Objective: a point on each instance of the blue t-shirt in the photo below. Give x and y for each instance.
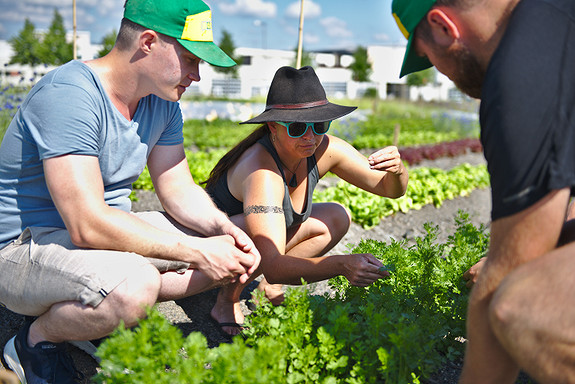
(69, 113)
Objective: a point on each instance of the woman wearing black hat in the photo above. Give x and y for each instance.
(266, 182)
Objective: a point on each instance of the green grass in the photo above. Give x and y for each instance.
(418, 124)
(10, 99)
(203, 135)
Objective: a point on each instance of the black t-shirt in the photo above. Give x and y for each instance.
(527, 110)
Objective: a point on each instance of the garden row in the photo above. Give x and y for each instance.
(426, 185)
(415, 155)
(398, 330)
(421, 132)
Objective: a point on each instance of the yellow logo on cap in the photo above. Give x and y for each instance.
(198, 27)
(401, 27)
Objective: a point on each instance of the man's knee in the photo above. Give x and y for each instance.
(501, 313)
(507, 310)
(139, 291)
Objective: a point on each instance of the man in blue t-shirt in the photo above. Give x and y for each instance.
(71, 252)
(518, 57)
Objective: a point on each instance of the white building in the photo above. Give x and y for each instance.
(257, 68)
(85, 50)
(259, 65)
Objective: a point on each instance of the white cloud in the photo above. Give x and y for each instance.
(382, 37)
(309, 38)
(38, 15)
(335, 27)
(311, 10)
(107, 7)
(49, 3)
(11, 15)
(87, 18)
(257, 8)
(291, 29)
(39, 12)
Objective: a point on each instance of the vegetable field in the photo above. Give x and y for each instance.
(421, 133)
(399, 330)
(404, 329)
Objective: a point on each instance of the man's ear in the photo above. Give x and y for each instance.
(147, 39)
(443, 27)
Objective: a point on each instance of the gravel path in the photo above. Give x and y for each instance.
(192, 314)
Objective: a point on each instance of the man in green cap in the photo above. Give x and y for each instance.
(518, 57)
(72, 255)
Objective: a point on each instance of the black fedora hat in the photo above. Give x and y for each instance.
(297, 95)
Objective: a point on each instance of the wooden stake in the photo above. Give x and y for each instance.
(74, 49)
(396, 134)
(300, 40)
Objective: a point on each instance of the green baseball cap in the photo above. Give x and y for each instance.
(189, 21)
(407, 15)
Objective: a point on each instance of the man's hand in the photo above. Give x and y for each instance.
(245, 244)
(222, 261)
(362, 269)
(472, 274)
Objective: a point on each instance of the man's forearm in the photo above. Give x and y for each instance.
(196, 210)
(113, 229)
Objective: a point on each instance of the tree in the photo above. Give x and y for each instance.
(227, 45)
(54, 49)
(108, 42)
(421, 78)
(361, 67)
(25, 46)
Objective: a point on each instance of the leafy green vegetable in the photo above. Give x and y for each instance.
(398, 330)
(426, 186)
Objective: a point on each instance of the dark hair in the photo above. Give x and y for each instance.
(234, 154)
(460, 4)
(126, 34)
(129, 32)
(423, 30)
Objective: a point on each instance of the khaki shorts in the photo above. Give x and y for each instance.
(42, 267)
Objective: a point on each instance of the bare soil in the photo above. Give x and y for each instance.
(192, 314)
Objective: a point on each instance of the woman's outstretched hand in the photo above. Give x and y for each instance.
(362, 269)
(387, 159)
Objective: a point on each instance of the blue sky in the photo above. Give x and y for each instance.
(273, 24)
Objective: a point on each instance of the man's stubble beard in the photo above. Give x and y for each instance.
(469, 74)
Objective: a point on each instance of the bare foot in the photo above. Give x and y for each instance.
(227, 311)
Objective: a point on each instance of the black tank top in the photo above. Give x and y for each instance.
(225, 201)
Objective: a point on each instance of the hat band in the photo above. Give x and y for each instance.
(311, 104)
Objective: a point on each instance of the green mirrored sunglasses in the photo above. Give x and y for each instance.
(297, 129)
